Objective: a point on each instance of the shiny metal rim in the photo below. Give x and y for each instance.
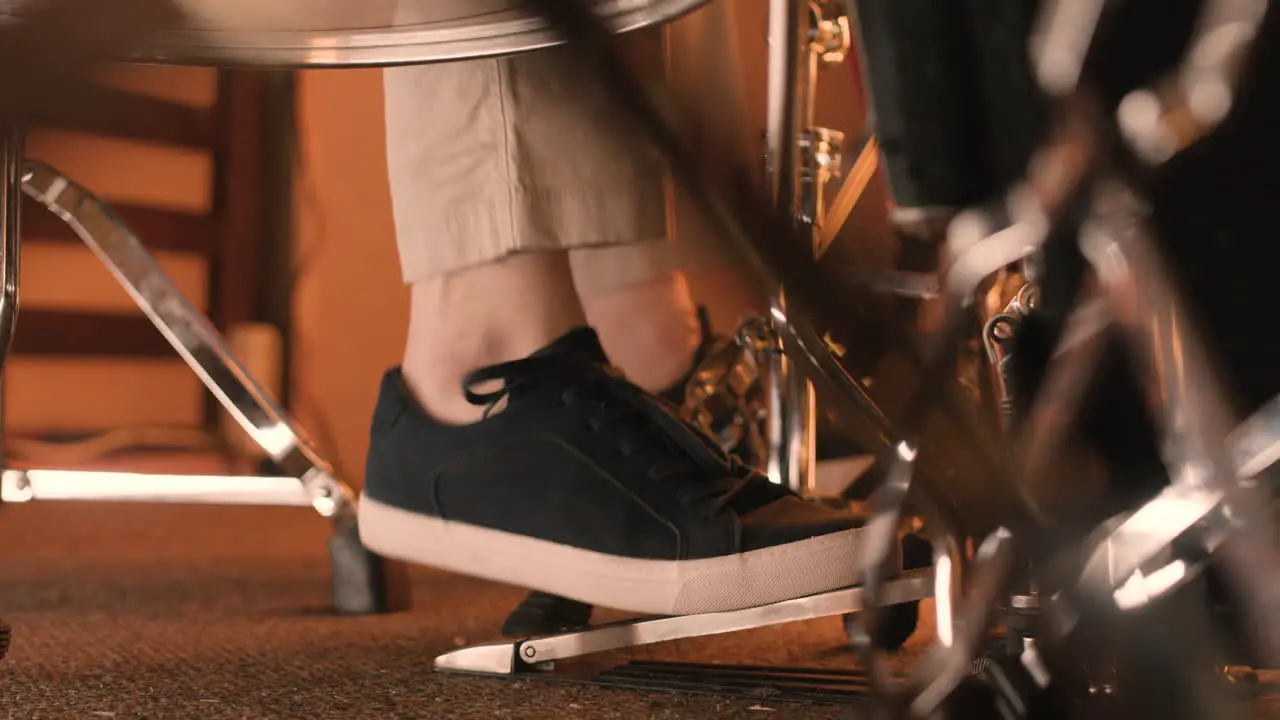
(507, 33)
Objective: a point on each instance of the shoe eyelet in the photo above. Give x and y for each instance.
(593, 425)
(566, 398)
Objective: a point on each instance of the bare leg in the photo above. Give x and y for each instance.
(649, 329)
(481, 316)
(564, 491)
(728, 292)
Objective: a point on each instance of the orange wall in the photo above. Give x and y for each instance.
(350, 308)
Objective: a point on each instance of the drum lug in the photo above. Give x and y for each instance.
(829, 37)
(998, 338)
(725, 395)
(821, 156)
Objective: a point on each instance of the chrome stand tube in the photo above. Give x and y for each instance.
(792, 417)
(194, 338)
(362, 583)
(10, 210)
(790, 110)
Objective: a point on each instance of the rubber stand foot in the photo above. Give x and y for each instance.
(365, 583)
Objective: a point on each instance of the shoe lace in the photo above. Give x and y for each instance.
(649, 426)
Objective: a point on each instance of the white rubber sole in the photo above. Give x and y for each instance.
(656, 587)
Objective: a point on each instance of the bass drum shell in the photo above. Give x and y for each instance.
(353, 33)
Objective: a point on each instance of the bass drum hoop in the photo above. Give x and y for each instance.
(494, 34)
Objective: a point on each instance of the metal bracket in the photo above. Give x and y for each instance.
(541, 653)
(855, 183)
(26, 485)
(829, 37)
(998, 336)
(195, 339)
(820, 150)
(725, 397)
(361, 582)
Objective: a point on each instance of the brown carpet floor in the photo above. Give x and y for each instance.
(140, 611)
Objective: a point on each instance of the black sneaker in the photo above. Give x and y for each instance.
(589, 488)
(544, 614)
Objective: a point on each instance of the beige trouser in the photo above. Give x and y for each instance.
(493, 157)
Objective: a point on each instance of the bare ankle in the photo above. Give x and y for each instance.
(650, 330)
(482, 316)
(442, 400)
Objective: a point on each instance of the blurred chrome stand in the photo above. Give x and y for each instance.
(360, 579)
(800, 158)
(10, 197)
(792, 417)
(11, 143)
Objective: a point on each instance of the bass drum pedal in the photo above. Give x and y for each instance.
(725, 398)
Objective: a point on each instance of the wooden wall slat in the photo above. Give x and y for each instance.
(138, 117)
(238, 198)
(81, 395)
(70, 277)
(158, 229)
(228, 232)
(62, 333)
(125, 171)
